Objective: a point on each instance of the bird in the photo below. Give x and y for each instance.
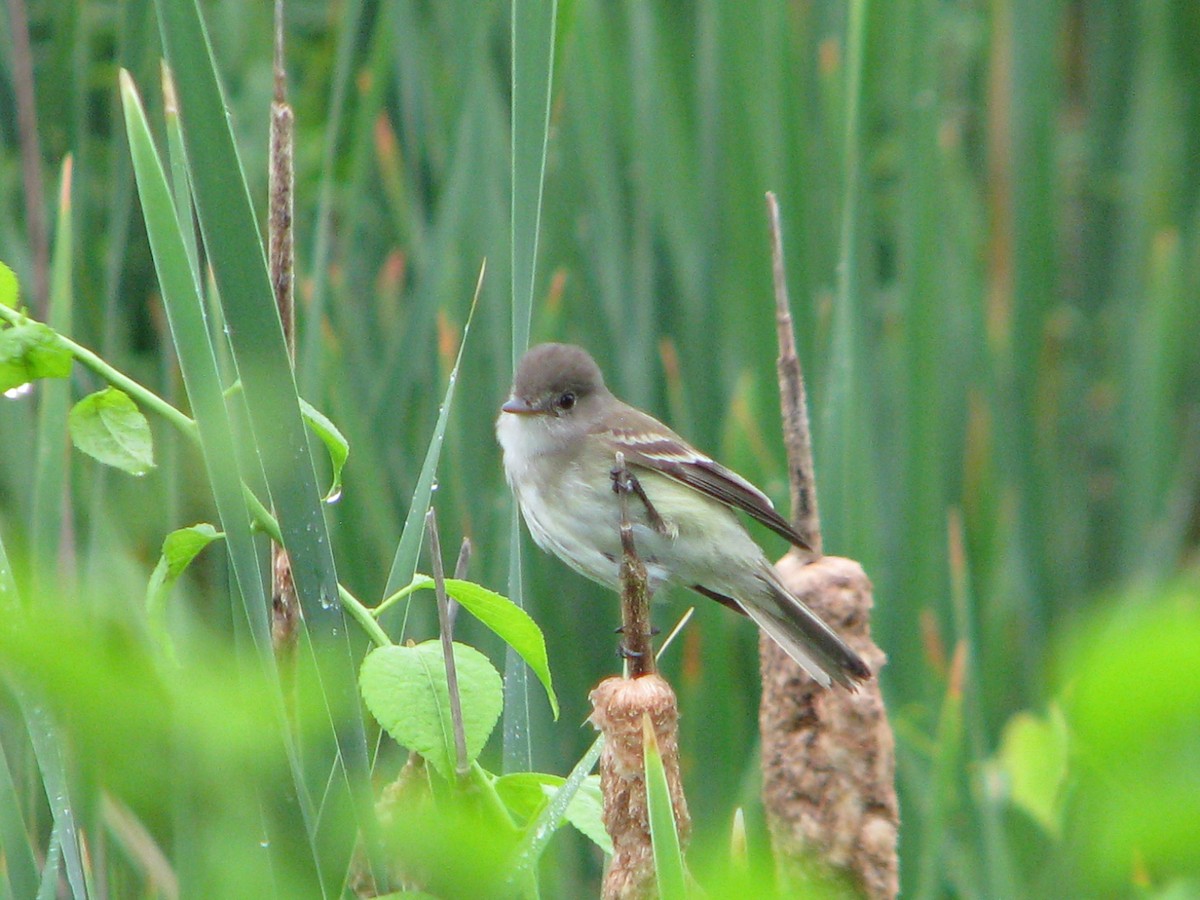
(560, 431)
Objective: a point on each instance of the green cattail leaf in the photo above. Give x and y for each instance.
(668, 856)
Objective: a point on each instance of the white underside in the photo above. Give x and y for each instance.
(576, 516)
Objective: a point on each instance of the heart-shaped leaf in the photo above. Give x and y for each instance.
(109, 427)
(405, 690)
(511, 623)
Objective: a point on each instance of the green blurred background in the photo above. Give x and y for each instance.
(994, 264)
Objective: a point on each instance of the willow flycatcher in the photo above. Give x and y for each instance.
(561, 429)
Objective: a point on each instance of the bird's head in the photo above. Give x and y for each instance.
(556, 380)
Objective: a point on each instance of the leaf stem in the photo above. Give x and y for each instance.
(447, 639)
(485, 783)
(115, 377)
(419, 581)
(362, 615)
(187, 426)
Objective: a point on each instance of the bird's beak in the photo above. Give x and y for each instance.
(519, 407)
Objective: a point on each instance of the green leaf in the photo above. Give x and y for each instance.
(404, 563)
(586, 813)
(405, 690)
(522, 792)
(334, 441)
(1033, 756)
(179, 549)
(108, 426)
(507, 620)
(533, 23)
(527, 793)
(9, 288)
(1131, 699)
(29, 351)
(539, 831)
(201, 376)
(50, 471)
(668, 857)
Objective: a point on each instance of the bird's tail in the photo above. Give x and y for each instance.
(803, 635)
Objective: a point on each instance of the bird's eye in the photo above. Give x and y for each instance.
(566, 400)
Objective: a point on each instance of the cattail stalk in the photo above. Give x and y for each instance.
(828, 755)
(285, 606)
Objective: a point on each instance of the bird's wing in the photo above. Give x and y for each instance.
(650, 444)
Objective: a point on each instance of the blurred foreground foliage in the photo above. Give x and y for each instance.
(172, 775)
(1132, 793)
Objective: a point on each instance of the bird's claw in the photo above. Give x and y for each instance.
(625, 482)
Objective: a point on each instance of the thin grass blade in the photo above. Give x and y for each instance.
(235, 250)
(309, 368)
(48, 889)
(668, 855)
(404, 564)
(538, 832)
(842, 465)
(20, 865)
(50, 481)
(198, 363)
(53, 461)
(47, 748)
(532, 80)
(180, 189)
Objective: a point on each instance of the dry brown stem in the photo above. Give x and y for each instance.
(793, 399)
(285, 606)
(404, 801)
(618, 705)
(281, 240)
(637, 646)
(31, 155)
(461, 765)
